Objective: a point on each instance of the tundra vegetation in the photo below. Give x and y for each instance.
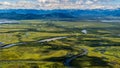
(102, 42)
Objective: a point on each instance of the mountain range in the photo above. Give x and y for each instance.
(19, 14)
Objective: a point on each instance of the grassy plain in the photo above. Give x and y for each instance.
(102, 42)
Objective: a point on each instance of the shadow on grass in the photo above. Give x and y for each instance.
(90, 62)
(55, 59)
(82, 62)
(100, 42)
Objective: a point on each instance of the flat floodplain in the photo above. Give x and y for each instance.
(102, 42)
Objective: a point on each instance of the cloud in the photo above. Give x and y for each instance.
(58, 4)
(89, 2)
(5, 3)
(17, 5)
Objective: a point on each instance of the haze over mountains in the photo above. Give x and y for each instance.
(94, 14)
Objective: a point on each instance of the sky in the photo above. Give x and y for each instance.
(59, 4)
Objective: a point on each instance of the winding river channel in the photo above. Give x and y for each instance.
(67, 61)
(40, 41)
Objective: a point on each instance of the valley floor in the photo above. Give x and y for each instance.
(59, 44)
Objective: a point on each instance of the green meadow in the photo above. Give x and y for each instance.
(102, 42)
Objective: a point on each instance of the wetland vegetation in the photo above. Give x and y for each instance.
(102, 42)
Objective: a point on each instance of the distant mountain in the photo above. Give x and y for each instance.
(17, 16)
(50, 14)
